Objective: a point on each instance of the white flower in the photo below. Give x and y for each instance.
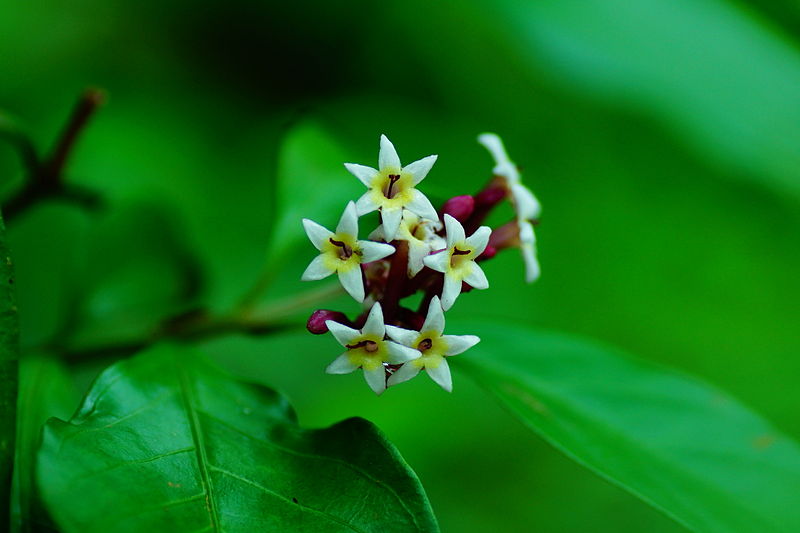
(421, 236)
(525, 203)
(342, 252)
(527, 243)
(391, 188)
(434, 348)
(367, 349)
(457, 261)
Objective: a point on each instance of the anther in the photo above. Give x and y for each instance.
(346, 250)
(424, 345)
(392, 180)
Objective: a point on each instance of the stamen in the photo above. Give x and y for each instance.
(392, 180)
(369, 346)
(424, 345)
(456, 251)
(346, 252)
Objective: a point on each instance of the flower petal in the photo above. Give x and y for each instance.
(406, 337)
(417, 251)
(452, 288)
(532, 269)
(341, 365)
(343, 334)
(404, 373)
(387, 156)
(441, 375)
(316, 270)
(419, 169)
(476, 278)
(317, 234)
(525, 203)
(401, 354)
(372, 251)
(457, 344)
(348, 224)
(479, 239)
(364, 173)
(454, 230)
(421, 206)
(494, 144)
(365, 204)
(437, 261)
(390, 218)
(352, 281)
(435, 319)
(374, 324)
(376, 379)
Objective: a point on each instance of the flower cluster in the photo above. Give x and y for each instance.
(414, 249)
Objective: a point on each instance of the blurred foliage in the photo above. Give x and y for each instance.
(660, 136)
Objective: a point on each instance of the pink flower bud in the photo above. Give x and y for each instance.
(316, 322)
(459, 207)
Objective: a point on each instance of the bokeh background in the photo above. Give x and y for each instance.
(662, 137)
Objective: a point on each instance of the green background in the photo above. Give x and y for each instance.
(663, 139)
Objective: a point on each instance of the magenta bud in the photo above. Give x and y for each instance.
(459, 207)
(491, 195)
(316, 322)
(488, 253)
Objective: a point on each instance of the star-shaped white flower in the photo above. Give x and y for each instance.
(434, 348)
(368, 349)
(527, 243)
(525, 203)
(391, 188)
(421, 236)
(457, 261)
(342, 253)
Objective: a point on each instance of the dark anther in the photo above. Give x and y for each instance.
(426, 344)
(392, 180)
(346, 250)
(456, 251)
(370, 346)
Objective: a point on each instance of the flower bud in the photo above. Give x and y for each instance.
(316, 322)
(459, 207)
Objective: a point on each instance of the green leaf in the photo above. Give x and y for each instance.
(726, 82)
(45, 390)
(312, 183)
(679, 444)
(9, 353)
(165, 442)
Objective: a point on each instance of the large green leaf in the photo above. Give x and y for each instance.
(165, 442)
(679, 444)
(9, 351)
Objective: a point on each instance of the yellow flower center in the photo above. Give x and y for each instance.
(341, 252)
(368, 352)
(461, 260)
(392, 187)
(433, 347)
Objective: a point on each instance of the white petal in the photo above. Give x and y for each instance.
(377, 234)
(364, 173)
(509, 171)
(372, 251)
(421, 206)
(525, 203)
(476, 278)
(376, 379)
(452, 288)
(353, 283)
(374, 324)
(316, 270)
(419, 169)
(390, 218)
(404, 373)
(316, 234)
(387, 157)
(526, 234)
(365, 204)
(532, 269)
(401, 354)
(454, 230)
(437, 262)
(435, 319)
(348, 224)
(341, 365)
(494, 144)
(441, 375)
(417, 251)
(457, 344)
(480, 239)
(406, 337)
(342, 333)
